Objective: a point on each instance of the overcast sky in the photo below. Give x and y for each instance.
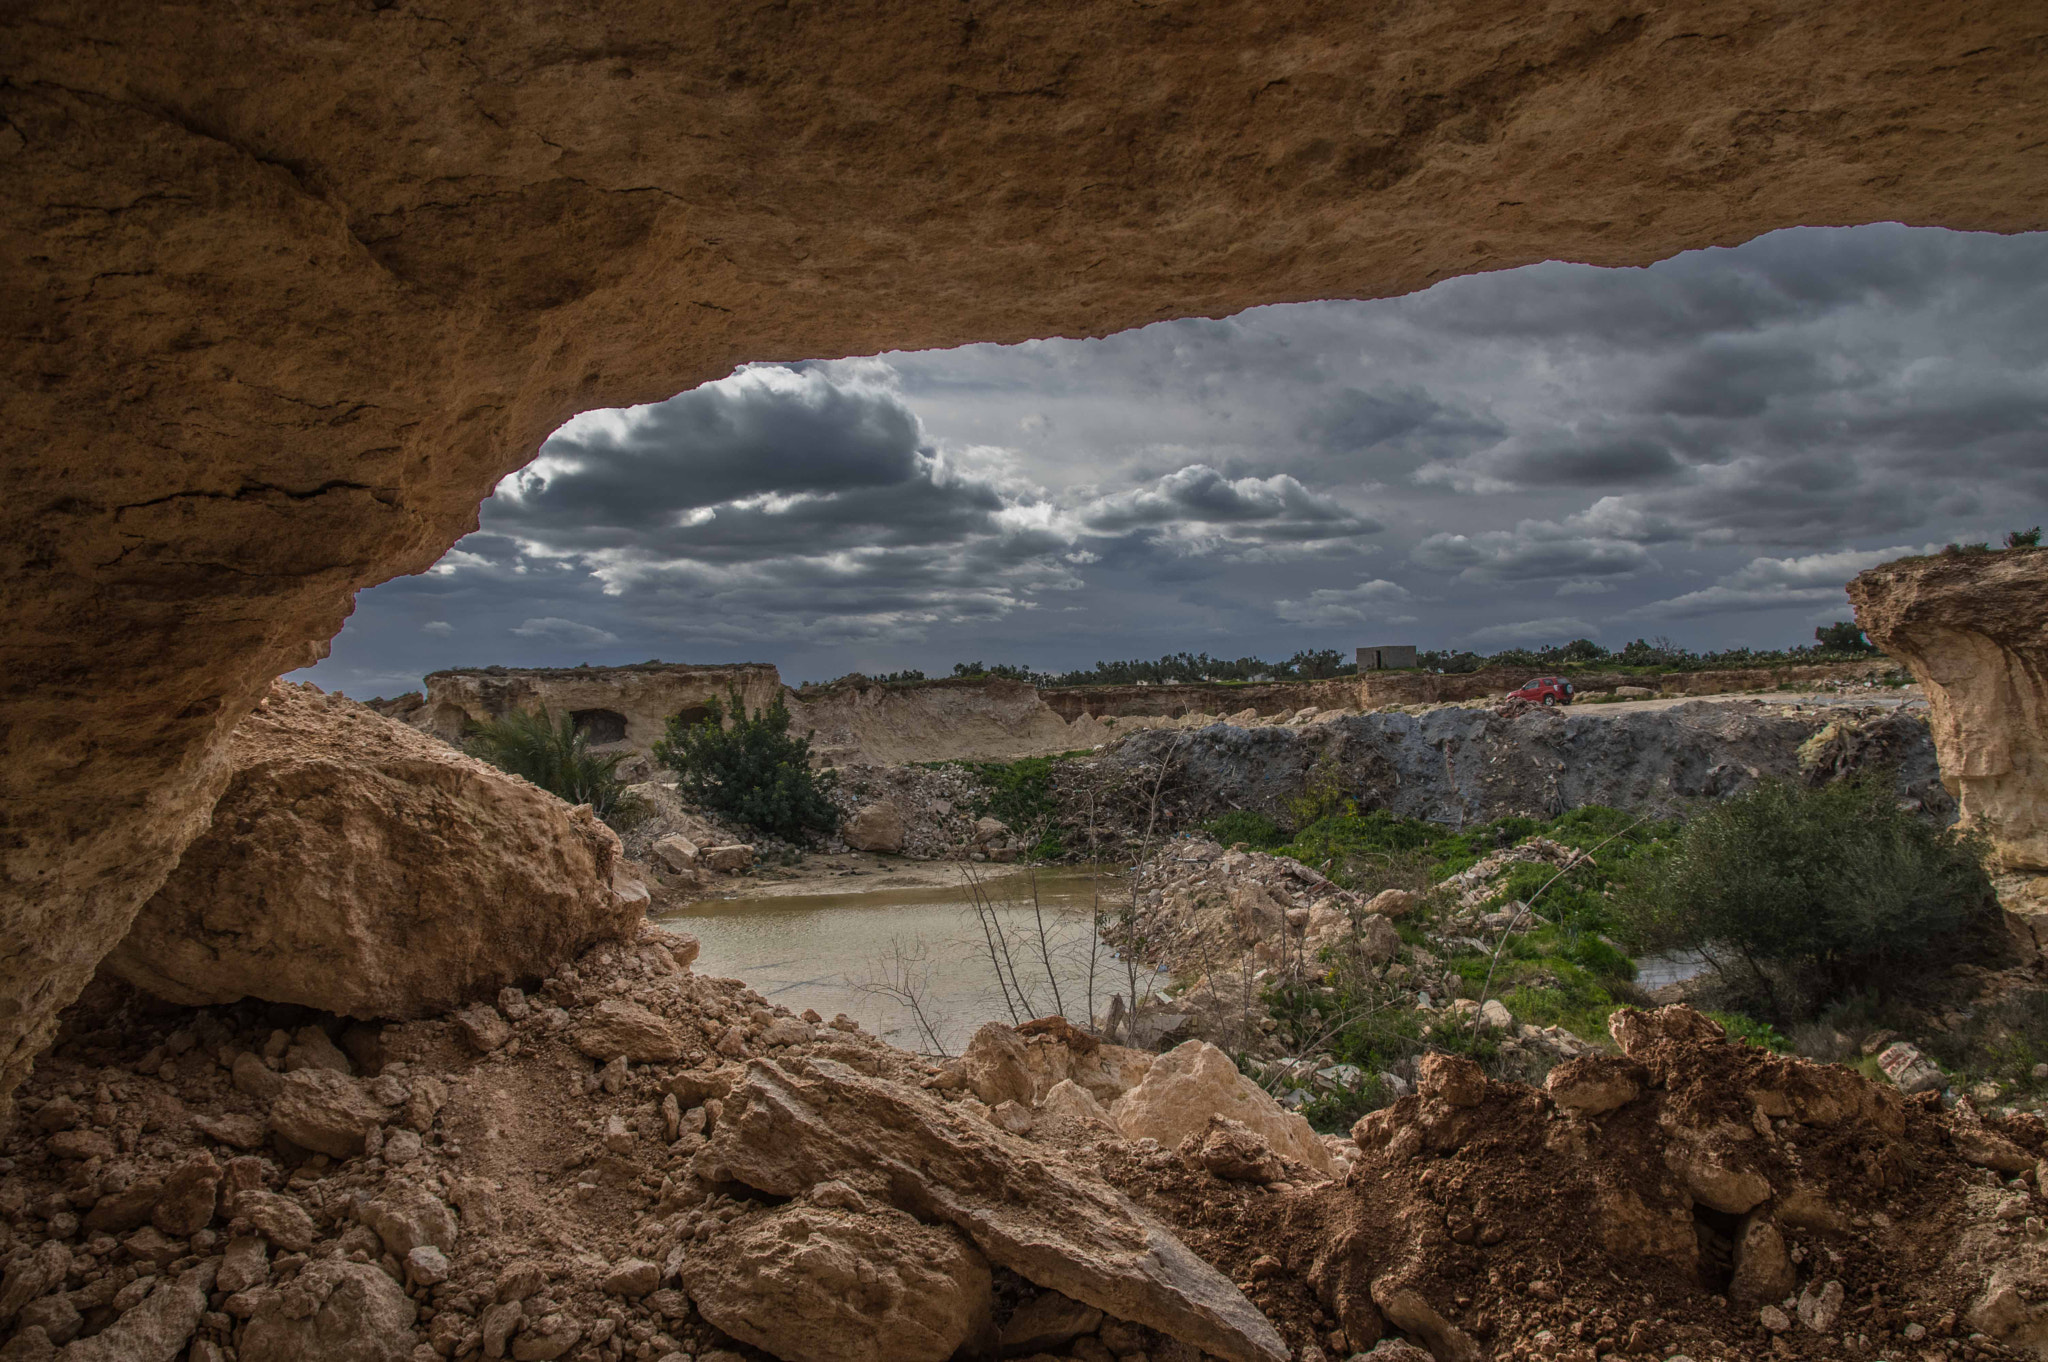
(1704, 449)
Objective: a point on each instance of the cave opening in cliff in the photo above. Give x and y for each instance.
(599, 726)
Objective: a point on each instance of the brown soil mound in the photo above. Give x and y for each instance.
(1738, 1204)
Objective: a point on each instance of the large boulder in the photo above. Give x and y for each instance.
(842, 1283)
(875, 827)
(1194, 1081)
(359, 867)
(333, 1311)
(790, 1133)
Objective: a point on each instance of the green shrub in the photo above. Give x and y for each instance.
(1322, 794)
(2023, 539)
(1806, 895)
(553, 755)
(1749, 1031)
(753, 771)
(1241, 825)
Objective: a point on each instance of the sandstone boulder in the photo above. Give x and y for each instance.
(615, 1027)
(731, 858)
(1395, 903)
(875, 827)
(814, 1283)
(996, 1066)
(678, 853)
(325, 1112)
(785, 1133)
(408, 1218)
(333, 1311)
(362, 868)
(1195, 1081)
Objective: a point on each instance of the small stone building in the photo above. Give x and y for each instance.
(1387, 657)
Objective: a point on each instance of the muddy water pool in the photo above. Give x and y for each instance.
(844, 952)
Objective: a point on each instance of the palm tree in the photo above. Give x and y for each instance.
(555, 756)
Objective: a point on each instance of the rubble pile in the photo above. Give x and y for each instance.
(931, 807)
(1230, 924)
(629, 1161)
(1689, 1197)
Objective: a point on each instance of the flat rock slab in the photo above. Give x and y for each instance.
(785, 1131)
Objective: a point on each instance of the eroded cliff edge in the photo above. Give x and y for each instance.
(1974, 630)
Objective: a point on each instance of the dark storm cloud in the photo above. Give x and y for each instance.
(1532, 550)
(1715, 442)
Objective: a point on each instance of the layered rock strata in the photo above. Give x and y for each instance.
(275, 337)
(362, 868)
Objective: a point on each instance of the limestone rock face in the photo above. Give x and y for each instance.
(1974, 631)
(1195, 1081)
(824, 1284)
(359, 867)
(343, 355)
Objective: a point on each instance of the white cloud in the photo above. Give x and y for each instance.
(437, 627)
(565, 631)
(1370, 602)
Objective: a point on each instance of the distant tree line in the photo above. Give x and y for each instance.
(1838, 642)
(1841, 641)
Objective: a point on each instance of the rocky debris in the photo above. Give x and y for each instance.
(852, 1282)
(934, 806)
(1195, 1081)
(784, 1132)
(332, 1312)
(524, 1209)
(155, 1326)
(1485, 1219)
(337, 824)
(875, 827)
(1912, 1071)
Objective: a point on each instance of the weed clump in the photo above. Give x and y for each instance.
(752, 771)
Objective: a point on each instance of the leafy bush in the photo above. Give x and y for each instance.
(555, 756)
(1804, 895)
(1322, 794)
(2023, 539)
(1255, 830)
(1843, 636)
(754, 771)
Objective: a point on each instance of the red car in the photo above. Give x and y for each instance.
(1544, 690)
